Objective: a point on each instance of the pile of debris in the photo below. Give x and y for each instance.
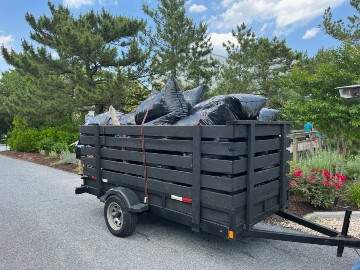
(172, 106)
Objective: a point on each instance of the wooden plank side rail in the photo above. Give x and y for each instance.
(234, 174)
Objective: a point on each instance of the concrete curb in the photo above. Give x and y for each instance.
(335, 215)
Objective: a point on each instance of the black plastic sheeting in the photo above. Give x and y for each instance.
(250, 105)
(164, 108)
(267, 114)
(154, 104)
(126, 119)
(100, 119)
(175, 103)
(194, 96)
(215, 111)
(172, 106)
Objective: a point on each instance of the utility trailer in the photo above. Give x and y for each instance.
(217, 179)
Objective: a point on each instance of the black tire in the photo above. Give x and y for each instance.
(129, 220)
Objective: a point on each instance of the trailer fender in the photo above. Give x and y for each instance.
(131, 199)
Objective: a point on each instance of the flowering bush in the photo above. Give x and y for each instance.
(319, 186)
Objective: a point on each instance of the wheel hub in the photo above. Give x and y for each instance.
(115, 216)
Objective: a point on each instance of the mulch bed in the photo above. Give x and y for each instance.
(41, 159)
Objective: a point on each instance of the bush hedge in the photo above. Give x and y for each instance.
(50, 139)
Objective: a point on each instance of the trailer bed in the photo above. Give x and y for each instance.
(233, 175)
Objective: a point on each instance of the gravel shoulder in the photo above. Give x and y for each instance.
(43, 225)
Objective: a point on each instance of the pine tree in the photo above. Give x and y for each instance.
(346, 33)
(180, 47)
(90, 54)
(254, 64)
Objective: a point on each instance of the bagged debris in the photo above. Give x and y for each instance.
(100, 119)
(267, 114)
(216, 111)
(250, 105)
(175, 105)
(154, 104)
(127, 119)
(195, 95)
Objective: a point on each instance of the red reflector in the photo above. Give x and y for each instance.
(186, 200)
(93, 178)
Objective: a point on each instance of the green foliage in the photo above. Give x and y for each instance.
(254, 64)
(319, 186)
(77, 62)
(178, 45)
(349, 33)
(67, 157)
(323, 159)
(25, 139)
(319, 177)
(352, 194)
(315, 98)
(352, 168)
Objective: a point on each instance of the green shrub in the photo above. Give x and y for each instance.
(50, 139)
(318, 186)
(323, 159)
(352, 194)
(352, 168)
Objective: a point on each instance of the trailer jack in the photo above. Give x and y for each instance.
(331, 238)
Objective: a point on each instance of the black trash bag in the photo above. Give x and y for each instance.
(250, 106)
(267, 114)
(195, 95)
(175, 103)
(216, 111)
(100, 119)
(154, 104)
(127, 119)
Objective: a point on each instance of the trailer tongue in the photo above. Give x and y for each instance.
(217, 179)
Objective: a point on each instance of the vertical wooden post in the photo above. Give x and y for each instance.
(250, 174)
(98, 174)
(295, 148)
(196, 177)
(283, 176)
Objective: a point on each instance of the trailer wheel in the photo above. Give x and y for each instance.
(119, 220)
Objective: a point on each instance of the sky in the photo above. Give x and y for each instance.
(297, 21)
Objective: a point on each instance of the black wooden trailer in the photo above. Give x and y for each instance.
(217, 179)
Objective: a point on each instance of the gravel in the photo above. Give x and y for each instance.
(43, 225)
(333, 223)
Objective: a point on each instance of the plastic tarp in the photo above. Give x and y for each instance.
(100, 119)
(154, 104)
(175, 105)
(250, 105)
(195, 95)
(267, 114)
(216, 111)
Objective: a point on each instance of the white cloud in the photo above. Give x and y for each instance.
(195, 8)
(284, 13)
(6, 41)
(311, 33)
(218, 39)
(79, 3)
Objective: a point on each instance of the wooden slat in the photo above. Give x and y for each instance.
(208, 198)
(211, 132)
(208, 147)
(220, 183)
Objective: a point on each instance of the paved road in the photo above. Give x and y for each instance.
(43, 225)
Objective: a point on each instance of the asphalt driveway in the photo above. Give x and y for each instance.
(43, 225)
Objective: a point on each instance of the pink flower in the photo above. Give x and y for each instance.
(298, 172)
(326, 174)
